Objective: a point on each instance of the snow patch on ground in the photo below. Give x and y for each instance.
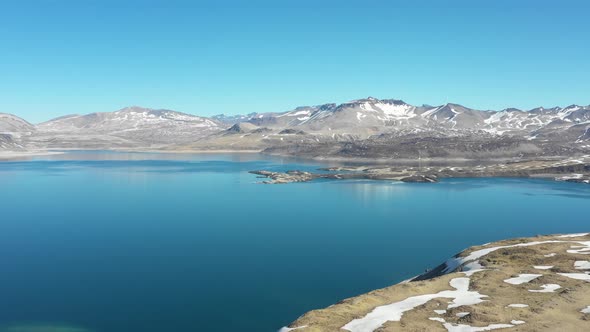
(367, 107)
(482, 252)
(522, 278)
(396, 111)
(437, 319)
(574, 235)
(577, 276)
(394, 311)
(543, 267)
(548, 288)
(297, 113)
(461, 296)
(582, 265)
(467, 328)
(582, 250)
(472, 260)
(473, 267)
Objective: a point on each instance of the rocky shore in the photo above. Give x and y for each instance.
(570, 169)
(528, 284)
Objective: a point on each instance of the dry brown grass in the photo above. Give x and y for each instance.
(556, 311)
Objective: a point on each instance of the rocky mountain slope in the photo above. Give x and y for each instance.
(13, 124)
(532, 284)
(392, 129)
(8, 143)
(129, 127)
(367, 128)
(371, 115)
(13, 132)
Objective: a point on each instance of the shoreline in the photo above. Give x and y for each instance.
(438, 160)
(571, 170)
(10, 155)
(339, 159)
(538, 283)
(218, 151)
(7, 155)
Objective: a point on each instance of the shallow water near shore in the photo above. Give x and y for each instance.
(103, 241)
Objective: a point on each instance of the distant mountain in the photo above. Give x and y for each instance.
(370, 116)
(13, 124)
(390, 128)
(8, 143)
(363, 128)
(136, 124)
(233, 119)
(13, 132)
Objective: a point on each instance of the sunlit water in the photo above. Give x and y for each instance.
(119, 242)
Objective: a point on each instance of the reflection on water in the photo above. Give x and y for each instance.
(160, 162)
(130, 156)
(371, 190)
(181, 240)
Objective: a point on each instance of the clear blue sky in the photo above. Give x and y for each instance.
(63, 57)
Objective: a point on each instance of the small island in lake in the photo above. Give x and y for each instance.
(568, 169)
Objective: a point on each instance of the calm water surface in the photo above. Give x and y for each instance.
(119, 242)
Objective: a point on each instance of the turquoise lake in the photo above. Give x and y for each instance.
(120, 242)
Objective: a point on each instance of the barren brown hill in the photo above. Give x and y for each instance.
(530, 284)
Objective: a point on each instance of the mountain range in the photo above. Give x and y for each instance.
(363, 128)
